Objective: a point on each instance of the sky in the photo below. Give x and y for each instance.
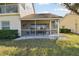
(53, 8)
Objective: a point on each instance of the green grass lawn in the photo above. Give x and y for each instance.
(41, 47)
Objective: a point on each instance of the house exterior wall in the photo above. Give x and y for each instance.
(14, 22)
(15, 18)
(27, 10)
(71, 21)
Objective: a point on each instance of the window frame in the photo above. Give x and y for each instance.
(5, 25)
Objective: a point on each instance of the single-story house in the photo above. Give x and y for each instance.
(70, 21)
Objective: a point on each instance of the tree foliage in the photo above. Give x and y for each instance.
(73, 7)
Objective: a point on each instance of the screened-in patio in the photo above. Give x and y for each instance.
(39, 27)
(42, 25)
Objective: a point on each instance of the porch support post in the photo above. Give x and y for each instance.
(5, 8)
(35, 27)
(58, 29)
(50, 27)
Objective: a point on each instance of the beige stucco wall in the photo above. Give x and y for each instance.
(71, 21)
(14, 22)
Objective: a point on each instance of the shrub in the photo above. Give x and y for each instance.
(65, 30)
(8, 34)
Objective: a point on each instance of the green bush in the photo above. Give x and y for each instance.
(8, 34)
(65, 31)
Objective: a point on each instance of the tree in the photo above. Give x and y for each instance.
(73, 7)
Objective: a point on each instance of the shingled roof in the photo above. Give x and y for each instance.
(43, 15)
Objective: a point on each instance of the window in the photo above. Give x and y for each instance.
(2, 9)
(11, 9)
(5, 25)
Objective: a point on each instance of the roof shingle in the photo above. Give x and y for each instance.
(43, 15)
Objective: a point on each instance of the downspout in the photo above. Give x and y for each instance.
(33, 7)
